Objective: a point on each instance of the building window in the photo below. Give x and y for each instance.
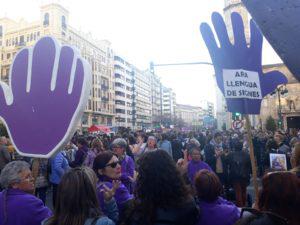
(1, 31)
(8, 56)
(31, 37)
(63, 22)
(46, 19)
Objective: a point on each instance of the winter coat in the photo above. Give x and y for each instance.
(21, 208)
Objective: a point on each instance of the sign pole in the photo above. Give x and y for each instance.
(253, 162)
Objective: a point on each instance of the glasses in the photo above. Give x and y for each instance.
(274, 217)
(113, 164)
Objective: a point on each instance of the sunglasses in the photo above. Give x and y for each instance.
(113, 164)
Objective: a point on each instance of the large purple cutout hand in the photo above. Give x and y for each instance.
(239, 57)
(49, 87)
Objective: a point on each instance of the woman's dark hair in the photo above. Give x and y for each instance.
(76, 199)
(101, 160)
(280, 194)
(131, 140)
(218, 134)
(82, 141)
(237, 145)
(208, 186)
(158, 185)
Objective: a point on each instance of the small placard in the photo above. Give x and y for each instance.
(241, 83)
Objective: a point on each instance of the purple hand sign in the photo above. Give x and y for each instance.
(238, 67)
(48, 90)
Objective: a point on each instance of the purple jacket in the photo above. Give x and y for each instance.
(122, 194)
(21, 208)
(219, 212)
(194, 167)
(127, 169)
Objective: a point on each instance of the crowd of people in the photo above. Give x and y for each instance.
(140, 178)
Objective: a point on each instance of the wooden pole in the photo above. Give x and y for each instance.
(253, 162)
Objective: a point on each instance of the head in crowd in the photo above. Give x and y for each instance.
(279, 137)
(131, 140)
(237, 146)
(208, 186)
(81, 142)
(195, 153)
(218, 138)
(17, 175)
(164, 136)
(280, 194)
(107, 165)
(151, 142)
(3, 140)
(158, 185)
(140, 138)
(97, 145)
(76, 198)
(295, 159)
(119, 146)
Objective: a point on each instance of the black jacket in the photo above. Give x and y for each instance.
(239, 166)
(187, 214)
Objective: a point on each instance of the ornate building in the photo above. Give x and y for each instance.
(284, 104)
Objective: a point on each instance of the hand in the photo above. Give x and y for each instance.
(239, 56)
(108, 193)
(133, 179)
(45, 98)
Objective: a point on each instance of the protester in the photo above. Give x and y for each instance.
(215, 156)
(40, 175)
(81, 153)
(151, 145)
(295, 159)
(278, 201)
(196, 164)
(176, 147)
(96, 149)
(165, 144)
(59, 166)
(108, 169)
(18, 205)
(119, 146)
(214, 209)
(77, 202)
(160, 196)
(4, 154)
(239, 168)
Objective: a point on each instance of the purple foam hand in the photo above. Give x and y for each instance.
(231, 58)
(48, 91)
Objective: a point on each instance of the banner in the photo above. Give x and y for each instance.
(48, 90)
(238, 66)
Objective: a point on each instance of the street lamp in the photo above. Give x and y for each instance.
(281, 90)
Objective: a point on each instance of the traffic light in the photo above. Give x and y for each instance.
(236, 116)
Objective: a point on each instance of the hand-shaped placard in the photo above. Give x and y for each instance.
(238, 67)
(48, 89)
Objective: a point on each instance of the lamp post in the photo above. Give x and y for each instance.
(281, 90)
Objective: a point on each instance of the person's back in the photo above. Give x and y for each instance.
(219, 212)
(214, 209)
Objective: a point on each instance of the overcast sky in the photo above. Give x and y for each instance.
(162, 31)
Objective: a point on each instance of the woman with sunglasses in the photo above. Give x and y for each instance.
(108, 169)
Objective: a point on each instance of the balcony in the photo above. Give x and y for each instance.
(104, 87)
(104, 99)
